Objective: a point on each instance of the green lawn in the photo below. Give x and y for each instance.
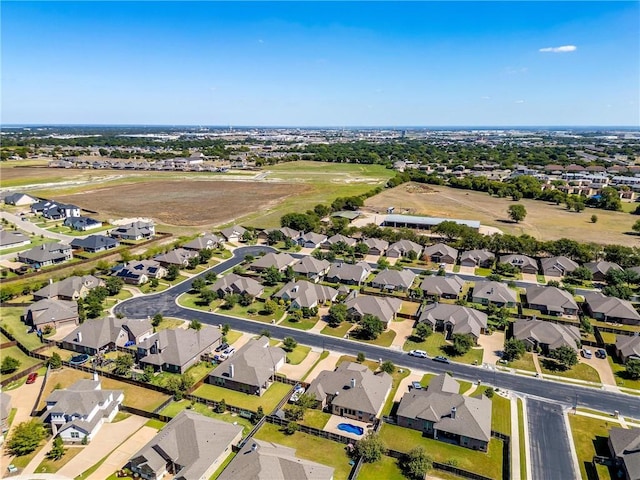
(52, 466)
(464, 386)
(191, 300)
(582, 371)
(259, 315)
(404, 439)
(590, 436)
(397, 377)
(268, 400)
(500, 411)
(197, 372)
(169, 323)
(22, 461)
(622, 379)
(233, 336)
(10, 321)
(298, 354)
(315, 418)
(323, 355)
(174, 408)
(25, 360)
(340, 331)
(304, 324)
(523, 448)
(134, 396)
(310, 447)
(435, 344)
(386, 469)
(523, 363)
(385, 339)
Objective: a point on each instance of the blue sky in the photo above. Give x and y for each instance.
(321, 64)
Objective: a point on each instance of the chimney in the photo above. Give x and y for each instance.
(231, 370)
(156, 344)
(352, 383)
(453, 413)
(79, 337)
(254, 447)
(51, 281)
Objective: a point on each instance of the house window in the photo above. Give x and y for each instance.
(75, 435)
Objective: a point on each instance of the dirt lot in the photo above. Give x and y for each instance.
(184, 203)
(544, 221)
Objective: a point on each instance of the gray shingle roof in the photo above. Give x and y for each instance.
(309, 265)
(203, 242)
(553, 298)
(478, 256)
(238, 284)
(335, 239)
(100, 332)
(70, 287)
(611, 306)
(626, 445)
(384, 308)
(552, 334)
(234, 230)
(178, 346)
(94, 242)
(405, 246)
(45, 253)
(555, 266)
(463, 319)
(440, 249)
(377, 243)
(307, 294)
(8, 238)
(602, 267)
(278, 260)
(521, 261)
(495, 292)
(395, 278)
(345, 272)
(178, 256)
(46, 310)
(442, 285)
(628, 346)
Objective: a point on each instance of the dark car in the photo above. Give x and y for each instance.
(222, 347)
(32, 377)
(441, 359)
(601, 353)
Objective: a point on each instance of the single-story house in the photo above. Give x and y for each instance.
(80, 410)
(546, 335)
(104, 334)
(394, 280)
(140, 271)
(134, 231)
(82, 223)
(207, 241)
(19, 199)
(454, 319)
(402, 248)
(628, 347)
(442, 287)
(304, 294)
(441, 253)
(347, 273)
(339, 238)
(94, 243)
(477, 259)
(351, 391)
(600, 269)
(376, 246)
(385, 308)
(278, 260)
(624, 446)
(311, 240)
(234, 283)
(251, 369)
(312, 268)
(557, 266)
(12, 239)
(175, 350)
(524, 263)
(440, 412)
(496, 293)
(551, 300)
(46, 254)
(610, 309)
(234, 233)
(190, 447)
(70, 288)
(51, 312)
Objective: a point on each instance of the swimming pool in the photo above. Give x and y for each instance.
(347, 427)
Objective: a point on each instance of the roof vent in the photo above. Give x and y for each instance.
(453, 412)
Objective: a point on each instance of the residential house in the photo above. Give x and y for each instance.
(207, 241)
(557, 266)
(105, 334)
(82, 223)
(496, 293)
(385, 308)
(394, 280)
(546, 335)
(524, 263)
(70, 288)
(46, 254)
(134, 231)
(624, 446)
(278, 260)
(403, 248)
(442, 287)
(94, 243)
(628, 347)
(58, 211)
(51, 312)
(311, 240)
(251, 369)
(175, 350)
(600, 269)
(610, 309)
(339, 238)
(12, 239)
(79, 411)
(179, 257)
(441, 413)
(19, 199)
(477, 259)
(441, 253)
(376, 246)
(352, 391)
(190, 447)
(453, 319)
(551, 301)
(303, 294)
(233, 234)
(349, 274)
(258, 460)
(311, 268)
(237, 284)
(141, 271)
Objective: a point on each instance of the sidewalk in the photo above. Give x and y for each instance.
(515, 441)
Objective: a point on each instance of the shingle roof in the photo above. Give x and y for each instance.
(495, 292)
(553, 298)
(178, 346)
(396, 278)
(345, 272)
(278, 260)
(308, 264)
(70, 287)
(9, 237)
(341, 238)
(80, 398)
(382, 307)
(378, 243)
(559, 265)
(405, 246)
(238, 284)
(611, 306)
(626, 445)
(478, 256)
(46, 310)
(45, 253)
(552, 334)
(178, 256)
(203, 242)
(440, 249)
(101, 331)
(307, 294)
(463, 319)
(628, 346)
(234, 230)
(602, 267)
(521, 261)
(442, 285)
(94, 242)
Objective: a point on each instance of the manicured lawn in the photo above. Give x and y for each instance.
(590, 436)
(174, 408)
(312, 448)
(153, 423)
(134, 396)
(10, 321)
(315, 418)
(622, 380)
(192, 300)
(386, 469)
(523, 448)
(410, 308)
(60, 379)
(233, 336)
(52, 466)
(581, 371)
(384, 339)
(298, 354)
(23, 460)
(169, 323)
(404, 439)
(397, 377)
(197, 372)
(268, 400)
(523, 363)
(500, 411)
(464, 386)
(436, 344)
(259, 315)
(304, 324)
(340, 331)
(25, 360)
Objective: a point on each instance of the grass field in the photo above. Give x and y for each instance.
(523, 363)
(544, 221)
(298, 354)
(435, 344)
(52, 466)
(10, 320)
(387, 468)
(622, 380)
(268, 400)
(174, 408)
(134, 396)
(590, 436)
(25, 360)
(339, 331)
(581, 371)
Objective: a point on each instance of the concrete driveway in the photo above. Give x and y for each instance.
(328, 363)
(403, 330)
(296, 372)
(602, 367)
(493, 345)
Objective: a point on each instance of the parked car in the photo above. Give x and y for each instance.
(12, 468)
(586, 353)
(222, 347)
(418, 353)
(441, 359)
(601, 353)
(32, 377)
(227, 353)
(416, 386)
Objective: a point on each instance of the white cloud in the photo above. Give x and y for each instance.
(519, 101)
(561, 49)
(515, 70)
(486, 97)
(260, 41)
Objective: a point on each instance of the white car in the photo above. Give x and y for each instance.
(227, 353)
(418, 353)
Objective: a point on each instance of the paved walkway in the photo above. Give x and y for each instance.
(38, 458)
(493, 346)
(474, 387)
(515, 441)
(536, 363)
(328, 363)
(403, 330)
(296, 372)
(110, 436)
(527, 451)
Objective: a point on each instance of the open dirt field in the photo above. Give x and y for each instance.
(184, 203)
(544, 221)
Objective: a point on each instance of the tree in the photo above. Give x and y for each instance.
(114, 285)
(291, 428)
(147, 374)
(55, 361)
(246, 299)
(462, 343)
(26, 437)
(156, 320)
(360, 358)
(221, 406)
(636, 227)
(370, 327)
(207, 296)
(423, 330)
(204, 256)
(259, 414)
(270, 306)
(9, 365)
(123, 364)
(362, 248)
(225, 329)
(289, 343)
(594, 218)
(306, 401)
(565, 356)
(198, 284)
(517, 212)
(57, 449)
(210, 276)
(513, 349)
(388, 367)
(337, 314)
(172, 272)
(265, 333)
(581, 274)
(195, 325)
(272, 276)
(633, 369)
(370, 448)
(416, 463)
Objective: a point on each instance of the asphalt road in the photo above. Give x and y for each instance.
(564, 393)
(549, 442)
